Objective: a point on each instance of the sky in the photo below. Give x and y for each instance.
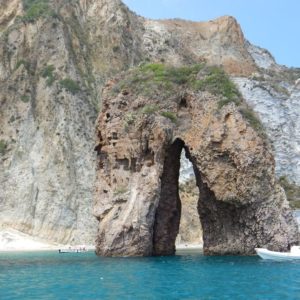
(270, 24)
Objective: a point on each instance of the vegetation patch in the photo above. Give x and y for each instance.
(120, 191)
(149, 79)
(253, 120)
(150, 109)
(130, 118)
(24, 63)
(289, 74)
(259, 78)
(217, 82)
(169, 115)
(116, 48)
(70, 85)
(25, 98)
(11, 119)
(292, 192)
(157, 79)
(3, 147)
(47, 73)
(224, 102)
(160, 81)
(280, 89)
(35, 9)
(163, 73)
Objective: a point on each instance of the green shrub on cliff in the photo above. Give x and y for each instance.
(157, 79)
(161, 79)
(35, 9)
(217, 82)
(130, 118)
(25, 98)
(47, 72)
(160, 82)
(169, 115)
(163, 73)
(292, 191)
(23, 62)
(149, 109)
(253, 120)
(70, 85)
(3, 147)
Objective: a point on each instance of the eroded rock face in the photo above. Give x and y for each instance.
(137, 203)
(8, 11)
(47, 130)
(190, 230)
(218, 42)
(47, 168)
(52, 69)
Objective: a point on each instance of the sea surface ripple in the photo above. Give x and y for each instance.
(49, 275)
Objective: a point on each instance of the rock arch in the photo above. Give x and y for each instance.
(137, 203)
(168, 211)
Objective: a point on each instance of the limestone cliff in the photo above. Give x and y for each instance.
(190, 230)
(47, 119)
(149, 116)
(274, 93)
(55, 57)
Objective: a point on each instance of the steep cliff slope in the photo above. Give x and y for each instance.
(274, 93)
(55, 57)
(47, 162)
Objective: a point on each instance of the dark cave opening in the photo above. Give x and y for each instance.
(169, 211)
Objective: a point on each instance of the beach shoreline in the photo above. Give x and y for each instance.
(12, 240)
(186, 248)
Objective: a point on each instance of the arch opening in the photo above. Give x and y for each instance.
(177, 217)
(190, 228)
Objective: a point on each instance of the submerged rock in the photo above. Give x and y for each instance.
(149, 116)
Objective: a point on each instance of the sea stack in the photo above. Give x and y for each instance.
(149, 115)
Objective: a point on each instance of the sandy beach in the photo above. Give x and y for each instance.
(183, 248)
(13, 240)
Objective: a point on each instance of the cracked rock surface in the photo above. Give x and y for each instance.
(139, 146)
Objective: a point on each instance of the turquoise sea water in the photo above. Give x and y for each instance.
(49, 275)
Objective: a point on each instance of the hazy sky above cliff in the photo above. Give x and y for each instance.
(271, 24)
